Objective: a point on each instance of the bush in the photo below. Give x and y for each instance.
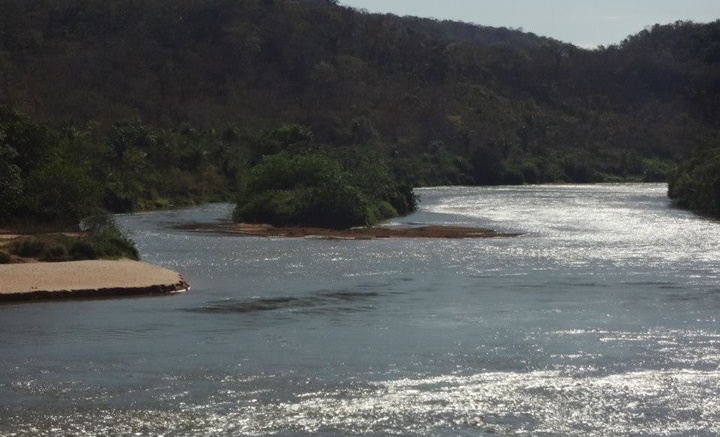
(56, 252)
(279, 208)
(45, 247)
(112, 246)
(99, 223)
(696, 183)
(381, 211)
(104, 240)
(314, 189)
(62, 191)
(513, 175)
(403, 199)
(655, 170)
(82, 249)
(338, 206)
(329, 206)
(5, 258)
(100, 245)
(301, 190)
(29, 247)
(11, 185)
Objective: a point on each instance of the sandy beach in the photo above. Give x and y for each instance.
(86, 279)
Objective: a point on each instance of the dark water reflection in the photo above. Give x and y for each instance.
(601, 320)
(320, 302)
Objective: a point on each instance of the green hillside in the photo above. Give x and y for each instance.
(157, 102)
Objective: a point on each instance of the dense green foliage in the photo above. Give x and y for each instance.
(696, 183)
(62, 175)
(313, 189)
(140, 104)
(307, 189)
(104, 240)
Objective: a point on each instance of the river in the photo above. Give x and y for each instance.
(601, 319)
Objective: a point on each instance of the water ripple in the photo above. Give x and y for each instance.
(658, 403)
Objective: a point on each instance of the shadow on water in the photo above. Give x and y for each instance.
(710, 298)
(330, 301)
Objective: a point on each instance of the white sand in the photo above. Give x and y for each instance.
(85, 275)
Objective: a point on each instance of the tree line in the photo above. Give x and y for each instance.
(156, 102)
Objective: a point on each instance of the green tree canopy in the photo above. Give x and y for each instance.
(301, 190)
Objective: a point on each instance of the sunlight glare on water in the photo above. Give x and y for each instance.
(601, 319)
(623, 225)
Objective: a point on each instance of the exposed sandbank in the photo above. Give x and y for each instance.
(425, 231)
(86, 279)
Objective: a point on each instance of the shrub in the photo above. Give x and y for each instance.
(103, 245)
(82, 249)
(380, 211)
(57, 252)
(112, 246)
(98, 223)
(104, 240)
(695, 184)
(29, 247)
(513, 175)
(403, 199)
(62, 191)
(655, 170)
(329, 206)
(5, 258)
(11, 185)
(338, 206)
(314, 189)
(301, 190)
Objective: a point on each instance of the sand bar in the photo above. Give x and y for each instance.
(86, 279)
(365, 233)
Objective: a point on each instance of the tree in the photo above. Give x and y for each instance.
(696, 183)
(11, 185)
(301, 190)
(63, 192)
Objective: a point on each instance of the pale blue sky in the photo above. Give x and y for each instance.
(586, 23)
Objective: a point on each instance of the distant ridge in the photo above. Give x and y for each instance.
(445, 102)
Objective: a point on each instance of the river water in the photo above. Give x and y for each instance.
(601, 320)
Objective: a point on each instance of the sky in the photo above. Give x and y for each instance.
(585, 23)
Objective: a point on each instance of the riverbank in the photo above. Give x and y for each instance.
(366, 233)
(86, 279)
(105, 241)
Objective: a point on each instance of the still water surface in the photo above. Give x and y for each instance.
(600, 320)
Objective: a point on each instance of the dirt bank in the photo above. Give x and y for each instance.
(423, 231)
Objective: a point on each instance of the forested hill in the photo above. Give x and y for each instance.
(221, 81)
(206, 62)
